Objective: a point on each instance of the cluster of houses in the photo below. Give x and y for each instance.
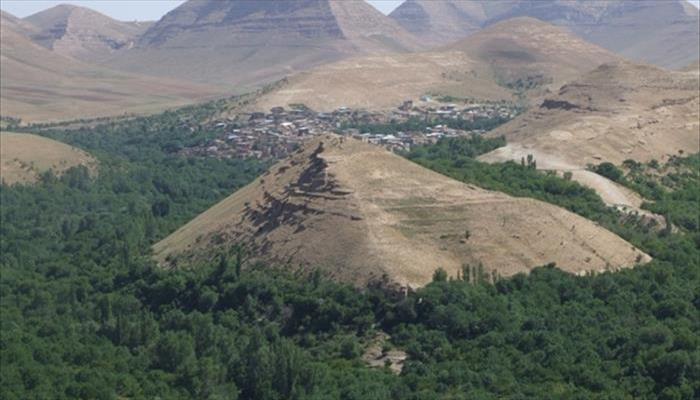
(278, 133)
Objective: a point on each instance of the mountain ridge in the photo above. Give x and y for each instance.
(665, 33)
(243, 42)
(83, 33)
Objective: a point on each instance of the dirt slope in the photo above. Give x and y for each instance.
(242, 43)
(37, 84)
(522, 54)
(361, 213)
(384, 81)
(24, 157)
(82, 33)
(619, 111)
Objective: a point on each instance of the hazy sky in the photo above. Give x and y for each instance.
(144, 10)
(129, 10)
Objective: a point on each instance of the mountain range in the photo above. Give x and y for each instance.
(235, 46)
(661, 32)
(245, 42)
(38, 84)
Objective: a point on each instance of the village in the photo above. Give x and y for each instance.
(276, 134)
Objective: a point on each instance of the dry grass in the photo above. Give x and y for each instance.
(24, 157)
(363, 214)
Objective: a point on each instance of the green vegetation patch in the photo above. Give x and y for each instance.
(87, 315)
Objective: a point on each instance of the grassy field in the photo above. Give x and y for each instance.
(24, 157)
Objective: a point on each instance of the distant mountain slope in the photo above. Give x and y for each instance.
(438, 22)
(363, 214)
(618, 111)
(37, 84)
(82, 33)
(17, 25)
(247, 42)
(524, 52)
(24, 157)
(519, 55)
(662, 32)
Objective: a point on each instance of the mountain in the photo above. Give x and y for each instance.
(82, 33)
(438, 22)
(617, 112)
(525, 52)
(662, 32)
(24, 157)
(17, 25)
(363, 214)
(37, 84)
(520, 55)
(246, 42)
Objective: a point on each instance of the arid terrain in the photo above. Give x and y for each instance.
(37, 84)
(522, 55)
(24, 157)
(619, 111)
(82, 33)
(661, 32)
(363, 214)
(241, 44)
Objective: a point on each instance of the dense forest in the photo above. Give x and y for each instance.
(86, 314)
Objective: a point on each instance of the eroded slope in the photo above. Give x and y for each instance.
(363, 214)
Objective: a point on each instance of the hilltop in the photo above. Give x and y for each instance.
(522, 55)
(82, 33)
(617, 112)
(37, 84)
(662, 32)
(363, 214)
(24, 157)
(248, 42)
(525, 53)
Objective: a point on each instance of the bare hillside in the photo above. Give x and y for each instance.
(24, 157)
(364, 214)
(384, 81)
(525, 53)
(244, 42)
(82, 33)
(519, 55)
(619, 111)
(38, 84)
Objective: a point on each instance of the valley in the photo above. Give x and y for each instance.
(334, 199)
